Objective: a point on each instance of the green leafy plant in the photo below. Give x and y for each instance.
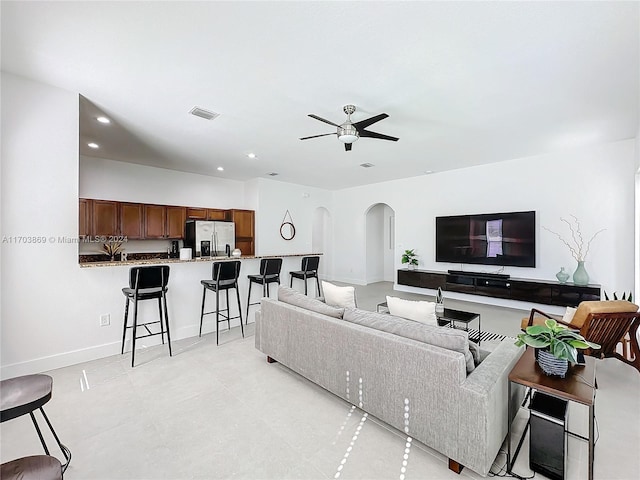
(410, 257)
(562, 342)
(628, 298)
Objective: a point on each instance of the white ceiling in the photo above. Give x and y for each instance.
(463, 83)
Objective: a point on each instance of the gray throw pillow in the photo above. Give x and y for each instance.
(444, 337)
(290, 296)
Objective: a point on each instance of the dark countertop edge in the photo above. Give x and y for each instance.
(159, 261)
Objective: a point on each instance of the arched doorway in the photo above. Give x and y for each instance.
(380, 243)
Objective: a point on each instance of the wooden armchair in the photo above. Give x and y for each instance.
(604, 323)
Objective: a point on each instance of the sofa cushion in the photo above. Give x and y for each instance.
(290, 296)
(603, 306)
(448, 338)
(419, 311)
(339, 296)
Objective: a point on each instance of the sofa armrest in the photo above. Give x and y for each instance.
(484, 408)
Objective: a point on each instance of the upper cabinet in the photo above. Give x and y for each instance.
(104, 218)
(84, 217)
(176, 216)
(131, 220)
(139, 221)
(155, 221)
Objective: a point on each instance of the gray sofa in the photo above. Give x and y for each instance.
(461, 415)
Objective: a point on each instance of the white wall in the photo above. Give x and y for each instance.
(596, 184)
(375, 244)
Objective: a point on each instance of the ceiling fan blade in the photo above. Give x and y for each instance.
(316, 136)
(323, 120)
(347, 147)
(361, 125)
(366, 133)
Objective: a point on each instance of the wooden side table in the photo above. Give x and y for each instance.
(578, 386)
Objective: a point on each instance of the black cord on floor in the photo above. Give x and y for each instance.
(503, 470)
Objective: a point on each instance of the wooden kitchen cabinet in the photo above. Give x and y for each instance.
(131, 220)
(176, 217)
(245, 228)
(84, 217)
(155, 219)
(216, 214)
(104, 219)
(196, 213)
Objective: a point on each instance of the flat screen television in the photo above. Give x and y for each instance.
(507, 239)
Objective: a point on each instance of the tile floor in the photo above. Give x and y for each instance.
(222, 412)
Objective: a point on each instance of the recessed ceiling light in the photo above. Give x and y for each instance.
(93, 145)
(203, 113)
(104, 120)
(221, 169)
(251, 155)
(272, 174)
(366, 165)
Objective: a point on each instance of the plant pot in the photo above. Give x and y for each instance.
(551, 365)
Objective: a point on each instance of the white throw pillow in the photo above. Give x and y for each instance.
(568, 315)
(419, 311)
(342, 297)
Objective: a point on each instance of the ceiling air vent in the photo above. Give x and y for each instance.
(202, 113)
(366, 165)
(272, 174)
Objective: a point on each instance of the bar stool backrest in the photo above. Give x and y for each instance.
(156, 276)
(270, 266)
(310, 264)
(228, 270)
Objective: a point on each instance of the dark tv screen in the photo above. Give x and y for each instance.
(507, 239)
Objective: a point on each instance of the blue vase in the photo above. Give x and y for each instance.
(562, 276)
(580, 276)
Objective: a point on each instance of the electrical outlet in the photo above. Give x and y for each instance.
(105, 320)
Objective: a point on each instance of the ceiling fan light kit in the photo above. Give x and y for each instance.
(349, 132)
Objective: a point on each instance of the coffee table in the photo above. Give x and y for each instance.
(450, 317)
(577, 386)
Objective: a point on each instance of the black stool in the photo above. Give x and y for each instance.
(22, 395)
(224, 277)
(146, 283)
(269, 273)
(309, 270)
(35, 467)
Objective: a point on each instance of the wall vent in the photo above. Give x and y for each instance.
(272, 174)
(202, 113)
(366, 165)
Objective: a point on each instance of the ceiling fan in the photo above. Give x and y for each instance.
(349, 132)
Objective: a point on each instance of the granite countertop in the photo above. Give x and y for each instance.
(159, 261)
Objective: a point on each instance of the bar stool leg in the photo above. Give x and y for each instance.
(239, 310)
(305, 283)
(35, 424)
(124, 324)
(318, 284)
(290, 281)
(161, 322)
(228, 311)
(246, 319)
(217, 314)
(65, 451)
(166, 320)
(135, 326)
(204, 294)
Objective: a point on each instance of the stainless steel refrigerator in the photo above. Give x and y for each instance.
(219, 237)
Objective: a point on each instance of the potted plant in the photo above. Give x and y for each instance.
(411, 258)
(555, 345)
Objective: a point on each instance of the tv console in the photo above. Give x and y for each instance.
(502, 276)
(545, 292)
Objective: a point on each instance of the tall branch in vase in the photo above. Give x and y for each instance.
(578, 248)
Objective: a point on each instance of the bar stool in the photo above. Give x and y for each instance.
(269, 273)
(146, 283)
(22, 395)
(224, 277)
(35, 467)
(309, 270)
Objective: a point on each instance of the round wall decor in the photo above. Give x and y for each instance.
(287, 229)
